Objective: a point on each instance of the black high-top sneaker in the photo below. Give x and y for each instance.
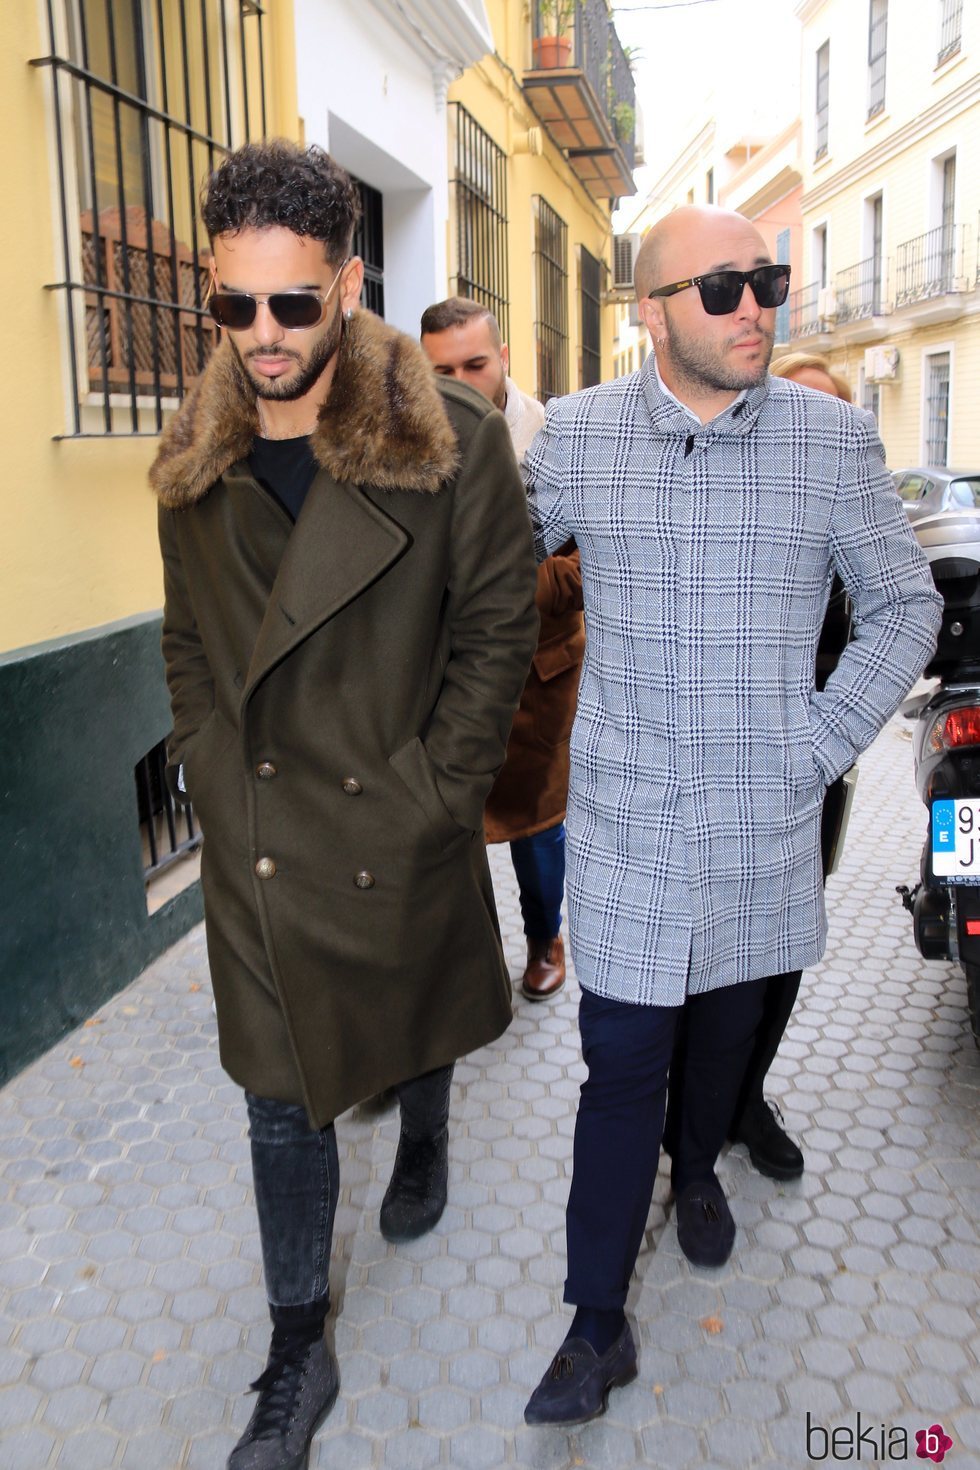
(296, 1392)
(416, 1196)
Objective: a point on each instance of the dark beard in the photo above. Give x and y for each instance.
(701, 369)
(286, 390)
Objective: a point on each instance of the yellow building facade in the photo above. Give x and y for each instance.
(113, 117)
(890, 208)
(540, 145)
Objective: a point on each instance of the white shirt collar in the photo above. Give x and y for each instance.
(683, 406)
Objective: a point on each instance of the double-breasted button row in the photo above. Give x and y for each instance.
(266, 868)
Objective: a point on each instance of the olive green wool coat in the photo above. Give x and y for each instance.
(342, 692)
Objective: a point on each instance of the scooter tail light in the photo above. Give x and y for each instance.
(959, 728)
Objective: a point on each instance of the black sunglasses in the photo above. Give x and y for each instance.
(721, 291)
(293, 310)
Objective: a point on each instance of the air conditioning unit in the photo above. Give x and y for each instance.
(625, 250)
(881, 364)
(827, 304)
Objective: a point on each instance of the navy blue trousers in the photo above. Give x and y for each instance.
(539, 865)
(627, 1049)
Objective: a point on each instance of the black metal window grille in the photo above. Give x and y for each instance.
(551, 299)
(369, 244)
(145, 95)
(871, 398)
(590, 296)
(823, 99)
(479, 204)
(877, 52)
(950, 29)
(937, 408)
(161, 820)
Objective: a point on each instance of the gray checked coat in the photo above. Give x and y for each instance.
(701, 750)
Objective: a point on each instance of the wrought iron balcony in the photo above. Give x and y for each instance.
(860, 290)
(931, 266)
(580, 85)
(804, 317)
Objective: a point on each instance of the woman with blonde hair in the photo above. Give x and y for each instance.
(812, 371)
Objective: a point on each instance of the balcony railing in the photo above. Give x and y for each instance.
(621, 97)
(859, 290)
(951, 30)
(804, 319)
(582, 87)
(932, 264)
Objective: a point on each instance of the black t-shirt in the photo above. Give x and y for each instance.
(286, 468)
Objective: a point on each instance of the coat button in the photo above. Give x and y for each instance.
(265, 868)
(352, 787)
(265, 771)
(363, 880)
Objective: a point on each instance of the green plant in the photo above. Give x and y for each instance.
(555, 16)
(623, 120)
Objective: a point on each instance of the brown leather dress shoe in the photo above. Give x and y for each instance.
(544, 974)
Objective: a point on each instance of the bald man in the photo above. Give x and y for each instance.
(712, 506)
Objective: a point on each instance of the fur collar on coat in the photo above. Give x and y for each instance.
(384, 422)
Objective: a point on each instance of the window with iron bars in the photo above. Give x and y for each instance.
(877, 55)
(950, 29)
(823, 99)
(478, 191)
(590, 272)
(147, 95)
(937, 408)
(369, 244)
(551, 299)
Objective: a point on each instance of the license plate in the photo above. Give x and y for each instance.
(956, 840)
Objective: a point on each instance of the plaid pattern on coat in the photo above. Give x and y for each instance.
(701, 750)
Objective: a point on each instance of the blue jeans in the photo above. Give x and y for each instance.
(539, 863)
(297, 1180)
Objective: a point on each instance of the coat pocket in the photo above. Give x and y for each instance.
(411, 762)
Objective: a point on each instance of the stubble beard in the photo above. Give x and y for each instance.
(288, 388)
(702, 368)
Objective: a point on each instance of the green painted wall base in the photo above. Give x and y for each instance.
(75, 717)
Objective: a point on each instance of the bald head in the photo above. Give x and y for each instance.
(689, 241)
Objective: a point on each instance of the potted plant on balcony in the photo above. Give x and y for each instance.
(553, 48)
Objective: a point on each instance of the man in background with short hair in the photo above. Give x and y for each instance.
(527, 804)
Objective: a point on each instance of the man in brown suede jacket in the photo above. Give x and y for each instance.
(348, 625)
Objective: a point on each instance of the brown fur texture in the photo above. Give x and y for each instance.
(383, 423)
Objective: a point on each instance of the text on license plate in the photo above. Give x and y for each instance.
(956, 840)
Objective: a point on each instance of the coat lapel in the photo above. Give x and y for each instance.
(341, 543)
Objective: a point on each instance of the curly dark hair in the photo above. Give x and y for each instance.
(278, 183)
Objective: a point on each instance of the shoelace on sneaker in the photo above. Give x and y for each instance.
(278, 1386)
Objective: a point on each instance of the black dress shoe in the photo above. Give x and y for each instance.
(416, 1195)
(576, 1386)
(296, 1392)
(705, 1228)
(771, 1149)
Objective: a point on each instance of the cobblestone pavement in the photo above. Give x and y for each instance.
(131, 1309)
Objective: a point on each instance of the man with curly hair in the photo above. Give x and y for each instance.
(348, 624)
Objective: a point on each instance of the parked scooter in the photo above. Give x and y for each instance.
(945, 903)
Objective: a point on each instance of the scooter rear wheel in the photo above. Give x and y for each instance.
(973, 999)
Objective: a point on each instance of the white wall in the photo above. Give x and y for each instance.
(367, 97)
